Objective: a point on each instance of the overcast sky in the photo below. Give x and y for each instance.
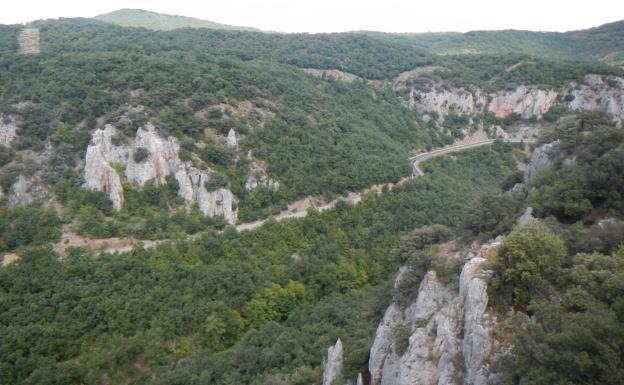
(348, 15)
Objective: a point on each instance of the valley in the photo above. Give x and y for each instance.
(189, 202)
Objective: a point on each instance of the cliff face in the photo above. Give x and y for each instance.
(149, 156)
(593, 93)
(539, 159)
(597, 92)
(8, 130)
(524, 101)
(450, 333)
(99, 173)
(444, 102)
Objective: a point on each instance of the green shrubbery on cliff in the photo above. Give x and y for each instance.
(567, 270)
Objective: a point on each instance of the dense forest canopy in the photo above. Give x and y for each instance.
(206, 303)
(212, 309)
(603, 42)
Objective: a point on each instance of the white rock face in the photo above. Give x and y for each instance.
(162, 160)
(232, 140)
(333, 365)
(444, 102)
(451, 334)
(99, 173)
(8, 130)
(524, 101)
(597, 93)
(258, 177)
(540, 158)
(20, 192)
(526, 217)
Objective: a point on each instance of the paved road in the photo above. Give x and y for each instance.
(415, 160)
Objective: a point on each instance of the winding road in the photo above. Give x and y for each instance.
(298, 209)
(415, 160)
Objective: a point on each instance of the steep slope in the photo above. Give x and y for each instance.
(162, 22)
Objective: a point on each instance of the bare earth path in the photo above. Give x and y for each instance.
(298, 209)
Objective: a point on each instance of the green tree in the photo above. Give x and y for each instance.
(529, 263)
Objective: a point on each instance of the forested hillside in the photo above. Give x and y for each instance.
(250, 307)
(603, 43)
(199, 150)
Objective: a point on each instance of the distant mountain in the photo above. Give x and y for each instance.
(605, 43)
(159, 21)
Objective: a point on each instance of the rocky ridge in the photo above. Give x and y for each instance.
(107, 161)
(439, 100)
(451, 335)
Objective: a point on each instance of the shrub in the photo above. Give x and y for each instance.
(215, 182)
(28, 225)
(530, 260)
(141, 154)
(6, 155)
(400, 335)
(419, 239)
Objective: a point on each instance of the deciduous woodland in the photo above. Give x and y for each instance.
(501, 264)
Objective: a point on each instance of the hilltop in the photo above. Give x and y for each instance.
(162, 22)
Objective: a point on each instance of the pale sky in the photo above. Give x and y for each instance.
(348, 15)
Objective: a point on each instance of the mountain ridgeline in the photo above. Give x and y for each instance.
(184, 202)
(158, 21)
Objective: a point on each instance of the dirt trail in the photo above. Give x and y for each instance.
(297, 209)
(105, 245)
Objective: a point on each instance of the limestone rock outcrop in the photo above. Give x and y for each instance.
(451, 333)
(446, 101)
(539, 159)
(232, 140)
(597, 92)
(524, 101)
(8, 130)
(19, 193)
(99, 173)
(108, 161)
(594, 92)
(257, 176)
(333, 366)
